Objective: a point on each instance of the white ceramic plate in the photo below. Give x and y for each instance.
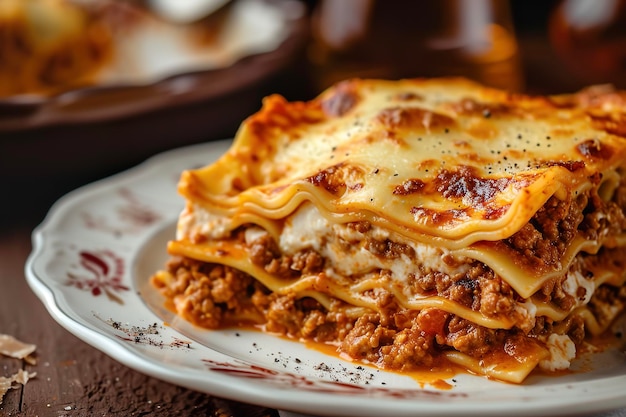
(90, 265)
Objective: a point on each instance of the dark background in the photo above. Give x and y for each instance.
(39, 165)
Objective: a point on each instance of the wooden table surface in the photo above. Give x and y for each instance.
(73, 378)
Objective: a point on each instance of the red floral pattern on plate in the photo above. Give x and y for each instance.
(335, 386)
(130, 217)
(99, 272)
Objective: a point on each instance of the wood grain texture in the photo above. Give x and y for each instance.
(74, 379)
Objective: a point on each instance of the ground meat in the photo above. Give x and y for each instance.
(470, 338)
(575, 329)
(606, 302)
(543, 326)
(366, 337)
(388, 346)
(312, 323)
(307, 262)
(207, 293)
(552, 291)
(531, 244)
(464, 291)
(543, 241)
(496, 296)
(545, 238)
(393, 338)
(214, 296)
(281, 267)
(461, 289)
(426, 283)
(417, 340)
(265, 252)
(302, 318)
(361, 227)
(605, 217)
(283, 317)
(389, 249)
(409, 349)
(610, 220)
(479, 289)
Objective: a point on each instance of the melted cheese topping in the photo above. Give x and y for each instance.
(414, 165)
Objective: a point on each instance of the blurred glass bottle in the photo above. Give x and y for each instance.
(590, 38)
(409, 38)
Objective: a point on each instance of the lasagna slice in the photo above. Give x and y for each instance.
(413, 224)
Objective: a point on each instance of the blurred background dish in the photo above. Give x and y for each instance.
(68, 61)
(406, 38)
(47, 46)
(187, 11)
(74, 108)
(589, 37)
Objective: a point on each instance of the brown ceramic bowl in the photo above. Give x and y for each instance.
(84, 134)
